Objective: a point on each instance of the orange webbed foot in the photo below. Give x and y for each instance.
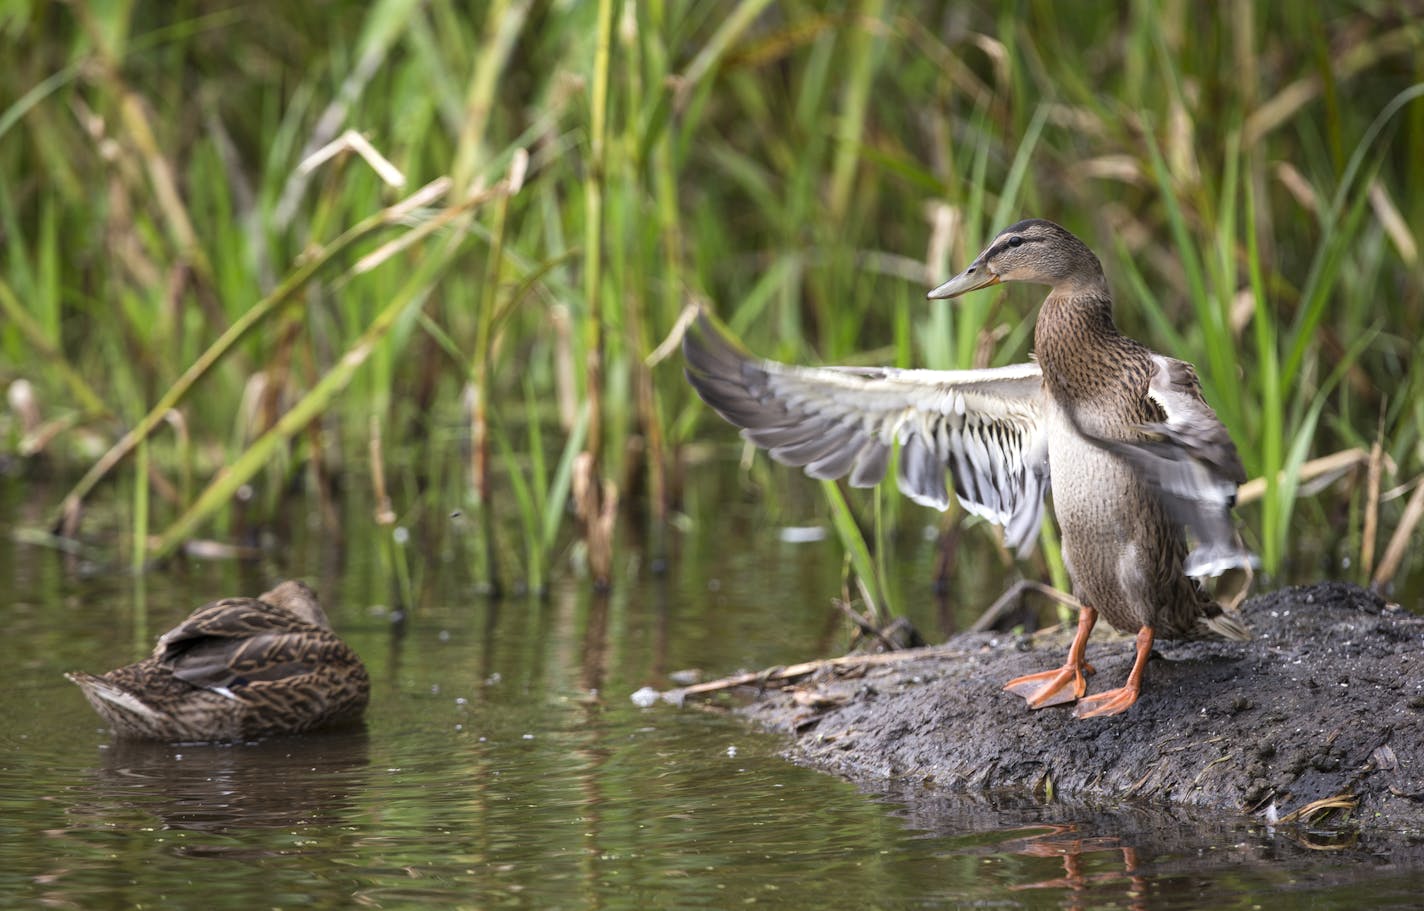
(1109, 702)
(1066, 684)
(1121, 699)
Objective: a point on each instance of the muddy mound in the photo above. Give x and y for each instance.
(1318, 720)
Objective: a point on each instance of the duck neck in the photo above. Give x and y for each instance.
(1078, 345)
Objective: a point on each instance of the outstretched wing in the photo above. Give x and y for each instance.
(1188, 457)
(985, 426)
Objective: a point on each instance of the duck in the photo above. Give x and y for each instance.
(237, 669)
(1138, 463)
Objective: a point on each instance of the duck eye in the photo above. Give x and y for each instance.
(1016, 241)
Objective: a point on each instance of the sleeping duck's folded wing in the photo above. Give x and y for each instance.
(243, 640)
(984, 426)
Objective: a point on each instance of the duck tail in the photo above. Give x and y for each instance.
(1224, 626)
(123, 711)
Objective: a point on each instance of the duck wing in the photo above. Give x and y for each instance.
(1189, 459)
(238, 641)
(986, 427)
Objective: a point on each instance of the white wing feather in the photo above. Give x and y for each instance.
(985, 426)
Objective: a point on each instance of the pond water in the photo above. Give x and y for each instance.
(504, 765)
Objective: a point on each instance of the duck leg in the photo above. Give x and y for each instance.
(1052, 687)
(1111, 702)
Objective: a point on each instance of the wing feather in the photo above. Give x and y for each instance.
(238, 640)
(1190, 460)
(868, 468)
(985, 427)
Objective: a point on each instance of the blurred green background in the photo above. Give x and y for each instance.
(465, 292)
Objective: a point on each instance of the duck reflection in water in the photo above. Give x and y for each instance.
(280, 783)
(1066, 842)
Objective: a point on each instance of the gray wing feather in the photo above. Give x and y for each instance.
(1190, 461)
(984, 426)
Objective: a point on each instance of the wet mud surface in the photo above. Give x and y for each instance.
(1316, 723)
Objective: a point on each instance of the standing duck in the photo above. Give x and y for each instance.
(1134, 453)
(236, 669)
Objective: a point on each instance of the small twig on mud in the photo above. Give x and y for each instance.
(1310, 811)
(1208, 767)
(779, 677)
(865, 626)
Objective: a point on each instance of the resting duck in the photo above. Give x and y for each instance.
(1133, 451)
(236, 669)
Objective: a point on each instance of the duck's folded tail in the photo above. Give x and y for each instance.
(1224, 625)
(121, 709)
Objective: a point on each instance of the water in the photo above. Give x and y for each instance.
(503, 764)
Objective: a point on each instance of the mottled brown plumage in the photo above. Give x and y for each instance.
(1133, 451)
(236, 669)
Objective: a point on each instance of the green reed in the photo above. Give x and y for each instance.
(167, 257)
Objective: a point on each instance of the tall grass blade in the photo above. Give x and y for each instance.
(854, 543)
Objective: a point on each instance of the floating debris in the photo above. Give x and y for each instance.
(801, 534)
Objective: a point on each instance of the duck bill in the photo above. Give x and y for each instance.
(972, 279)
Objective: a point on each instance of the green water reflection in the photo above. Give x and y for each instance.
(503, 765)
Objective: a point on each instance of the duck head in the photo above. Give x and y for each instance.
(297, 598)
(1036, 251)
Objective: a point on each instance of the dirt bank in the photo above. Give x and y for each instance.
(1325, 704)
